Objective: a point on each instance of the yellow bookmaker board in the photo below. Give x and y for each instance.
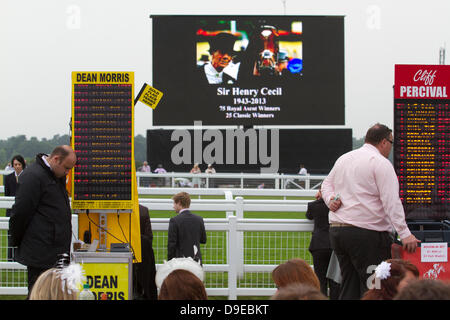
(104, 178)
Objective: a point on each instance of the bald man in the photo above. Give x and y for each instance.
(41, 217)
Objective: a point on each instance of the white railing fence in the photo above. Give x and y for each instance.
(238, 257)
(249, 181)
(230, 180)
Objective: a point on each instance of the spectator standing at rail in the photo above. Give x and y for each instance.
(145, 181)
(145, 271)
(186, 230)
(41, 217)
(160, 169)
(362, 193)
(320, 247)
(10, 182)
(196, 170)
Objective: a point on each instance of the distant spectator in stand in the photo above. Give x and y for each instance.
(10, 182)
(303, 170)
(145, 181)
(145, 167)
(210, 169)
(181, 279)
(41, 217)
(160, 169)
(320, 247)
(195, 170)
(295, 270)
(59, 283)
(298, 291)
(145, 271)
(8, 167)
(425, 289)
(388, 275)
(186, 230)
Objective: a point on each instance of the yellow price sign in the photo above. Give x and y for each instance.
(149, 95)
(109, 278)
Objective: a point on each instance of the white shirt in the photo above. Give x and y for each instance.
(215, 77)
(44, 158)
(212, 75)
(303, 171)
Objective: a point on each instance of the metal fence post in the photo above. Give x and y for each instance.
(232, 258)
(240, 238)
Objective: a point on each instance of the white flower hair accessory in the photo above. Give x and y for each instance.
(73, 276)
(188, 264)
(383, 270)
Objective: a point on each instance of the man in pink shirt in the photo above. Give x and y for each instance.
(362, 194)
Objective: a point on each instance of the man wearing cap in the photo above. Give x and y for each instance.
(222, 53)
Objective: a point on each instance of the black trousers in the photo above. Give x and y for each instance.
(33, 275)
(321, 260)
(10, 249)
(358, 249)
(144, 286)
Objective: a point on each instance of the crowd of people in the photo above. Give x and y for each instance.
(357, 216)
(195, 182)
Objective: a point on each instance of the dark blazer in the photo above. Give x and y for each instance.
(10, 183)
(185, 230)
(318, 211)
(41, 217)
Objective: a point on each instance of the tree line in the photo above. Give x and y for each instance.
(28, 148)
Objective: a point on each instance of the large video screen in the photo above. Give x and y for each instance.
(249, 70)
(316, 149)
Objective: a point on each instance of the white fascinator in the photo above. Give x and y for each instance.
(188, 264)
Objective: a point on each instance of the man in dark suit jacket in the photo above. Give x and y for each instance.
(319, 246)
(186, 230)
(144, 272)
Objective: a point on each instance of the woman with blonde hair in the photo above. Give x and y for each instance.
(58, 283)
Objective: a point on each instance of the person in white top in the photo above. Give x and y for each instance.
(303, 170)
(145, 167)
(210, 169)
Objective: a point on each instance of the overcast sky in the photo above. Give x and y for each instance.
(42, 42)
